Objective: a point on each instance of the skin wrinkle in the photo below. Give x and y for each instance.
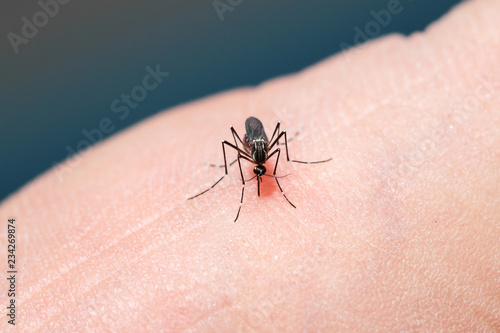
(225, 304)
(248, 299)
(180, 201)
(443, 286)
(208, 314)
(110, 249)
(83, 261)
(204, 316)
(152, 249)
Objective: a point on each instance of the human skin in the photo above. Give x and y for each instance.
(399, 232)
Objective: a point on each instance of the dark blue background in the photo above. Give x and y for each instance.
(65, 78)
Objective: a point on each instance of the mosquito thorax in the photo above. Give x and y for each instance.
(259, 151)
(259, 170)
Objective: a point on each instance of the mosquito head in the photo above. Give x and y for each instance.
(259, 170)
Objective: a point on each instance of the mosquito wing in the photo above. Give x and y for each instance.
(255, 129)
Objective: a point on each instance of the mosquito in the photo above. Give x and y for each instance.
(257, 149)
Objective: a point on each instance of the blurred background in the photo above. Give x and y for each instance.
(66, 65)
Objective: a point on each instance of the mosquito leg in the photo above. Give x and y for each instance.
(276, 130)
(273, 143)
(283, 133)
(313, 162)
(235, 135)
(294, 136)
(258, 186)
(219, 165)
(274, 174)
(224, 142)
(242, 187)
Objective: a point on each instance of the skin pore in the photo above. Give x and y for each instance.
(399, 232)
